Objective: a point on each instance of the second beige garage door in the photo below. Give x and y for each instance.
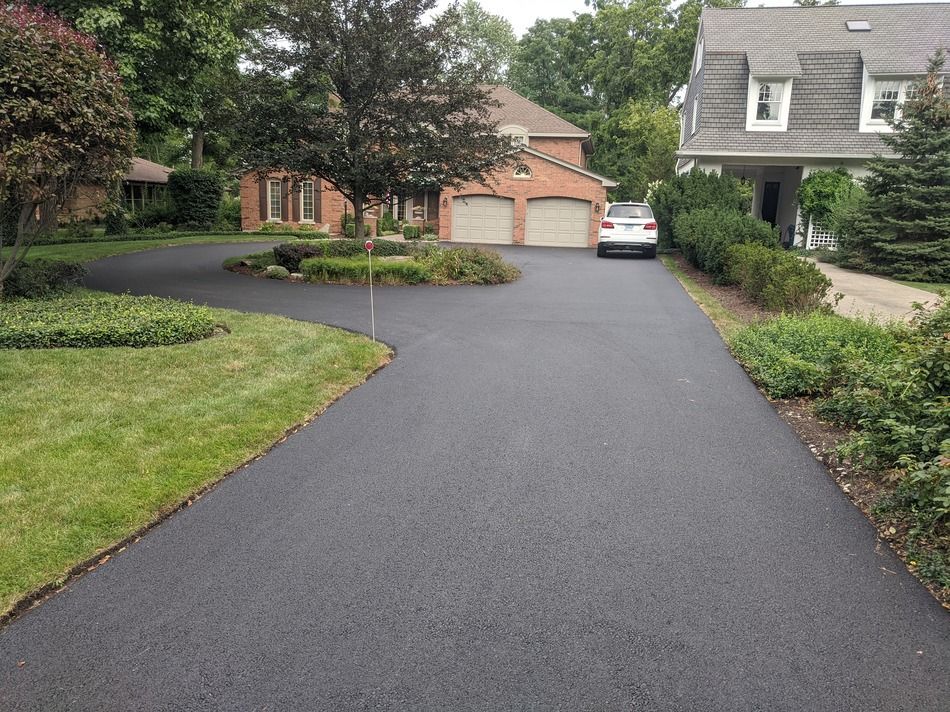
(557, 222)
(483, 218)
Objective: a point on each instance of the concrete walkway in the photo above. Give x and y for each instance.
(867, 295)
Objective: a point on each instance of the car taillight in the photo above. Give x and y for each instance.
(650, 226)
(607, 225)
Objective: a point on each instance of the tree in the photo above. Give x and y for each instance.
(636, 146)
(372, 98)
(909, 197)
(63, 121)
(161, 49)
(486, 41)
(815, 3)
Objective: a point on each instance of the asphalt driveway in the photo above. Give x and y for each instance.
(563, 493)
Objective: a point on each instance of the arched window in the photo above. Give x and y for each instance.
(523, 172)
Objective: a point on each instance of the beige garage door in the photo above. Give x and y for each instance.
(557, 222)
(483, 218)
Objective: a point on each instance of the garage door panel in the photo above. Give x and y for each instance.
(558, 222)
(483, 218)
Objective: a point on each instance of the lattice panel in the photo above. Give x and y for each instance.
(820, 238)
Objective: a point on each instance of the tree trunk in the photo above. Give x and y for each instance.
(358, 201)
(197, 148)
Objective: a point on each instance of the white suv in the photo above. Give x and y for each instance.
(628, 227)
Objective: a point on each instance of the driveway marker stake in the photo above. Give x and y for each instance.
(372, 309)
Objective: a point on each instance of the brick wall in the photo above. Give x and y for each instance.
(567, 149)
(548, 181)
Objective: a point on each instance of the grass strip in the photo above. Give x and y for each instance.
(726, 321)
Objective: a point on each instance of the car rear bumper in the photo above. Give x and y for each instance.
(627, 245)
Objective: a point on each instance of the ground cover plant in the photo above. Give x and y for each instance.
(87, 319)
(96, 443)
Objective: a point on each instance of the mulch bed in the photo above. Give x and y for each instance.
(865, 489)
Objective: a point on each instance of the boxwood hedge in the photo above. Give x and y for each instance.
(86, 320)
(289, 254)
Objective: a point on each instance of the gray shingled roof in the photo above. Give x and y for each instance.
(901, 40)
(142, 171)
(517, 110)
(841, 143)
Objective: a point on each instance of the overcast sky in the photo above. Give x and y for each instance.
(523, 13)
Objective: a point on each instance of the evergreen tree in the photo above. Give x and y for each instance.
(909, 197)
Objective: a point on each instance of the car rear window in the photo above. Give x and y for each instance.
(629, 211)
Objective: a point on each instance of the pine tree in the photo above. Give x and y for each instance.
(909, 197)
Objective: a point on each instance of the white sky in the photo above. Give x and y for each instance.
(523, 13)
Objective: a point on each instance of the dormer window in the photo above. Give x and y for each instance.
(768, 103)
(886, 94)
(883, 99)
(517, 134)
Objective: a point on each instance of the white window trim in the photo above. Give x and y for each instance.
(515, 175)
(312, 220)
(517, 134)
(694, 119)
(752, 100)
(869, 125)
(698, 58)
(270, 203)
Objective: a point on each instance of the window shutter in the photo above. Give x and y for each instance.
(262, 185)
(317, 201)
(284, 212)
(295, 198)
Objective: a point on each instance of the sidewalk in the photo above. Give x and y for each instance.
(867, 295)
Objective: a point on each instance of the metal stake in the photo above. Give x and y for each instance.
(372, 308)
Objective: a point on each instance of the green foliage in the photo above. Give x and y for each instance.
(776, 279)
(386, 224)
(807, 355)
(256, 261)
(468, 265)
(64, 121)
(43, 278)
(101, 320)
(153, 216)
(276, 272)
(355, 270)
(411, 232)
(290, 254)
(74, 231)
(349, 230)
(485, 41)
(705, 235)
(116, 221)
(820, 191)
(692, 191)
(195, 196)
(229, 214)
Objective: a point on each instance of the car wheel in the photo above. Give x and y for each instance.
(601, 251)
(652, 253)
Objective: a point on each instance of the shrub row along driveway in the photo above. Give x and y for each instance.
(563, 492)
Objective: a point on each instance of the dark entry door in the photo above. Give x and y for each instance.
(770, 202)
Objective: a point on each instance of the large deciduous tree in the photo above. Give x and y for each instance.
(64, 121)
(372, 98)
(486, 41)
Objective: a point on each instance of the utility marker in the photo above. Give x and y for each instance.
(372, 309)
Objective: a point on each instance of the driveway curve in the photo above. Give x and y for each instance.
(562, 494)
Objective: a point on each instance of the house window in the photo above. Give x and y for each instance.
(518, 135)
(522, 172)
(886, 95)
(306, 201)
(699, 55)
(273, 200)
(768, 103)
(694, 119)
(402, 207)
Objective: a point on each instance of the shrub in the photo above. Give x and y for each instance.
(92, 320)
(152, 215)
(705, 235)
(809, 355)
(42, 278)
(195, 196)
(289, 254)
(355, 270)
(276, 272)
(693, 191)
(411, 232)
(75, 231)
(386, 224)
(820, 191)
(350, 230)
(116, 222)
(468, 265)
(256, 261)
(229, 214)
(775, 279)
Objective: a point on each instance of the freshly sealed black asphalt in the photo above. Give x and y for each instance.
(562, 494)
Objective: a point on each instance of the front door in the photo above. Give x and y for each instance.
(770, 202)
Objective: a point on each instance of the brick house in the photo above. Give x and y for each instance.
(145, 183)
(775, 93)
(550, 198)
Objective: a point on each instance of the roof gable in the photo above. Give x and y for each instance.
(901, 40)
(516, 110)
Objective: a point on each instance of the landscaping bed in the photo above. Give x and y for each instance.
(394, 263)
(97, 444)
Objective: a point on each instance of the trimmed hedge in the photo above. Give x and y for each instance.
(195, 196)
(775, 279)
(93, 320)
(289, 254)
(43, 278)
(411, 232)
(693, 191)
(807, 355)
(468, 265)
(350, 230)
(355, 270)
(705, 235)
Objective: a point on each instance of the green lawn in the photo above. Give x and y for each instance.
(935, 287)
(727, 322)
(96, 443)
(88, 251)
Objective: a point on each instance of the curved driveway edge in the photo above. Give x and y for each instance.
(563, 493)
